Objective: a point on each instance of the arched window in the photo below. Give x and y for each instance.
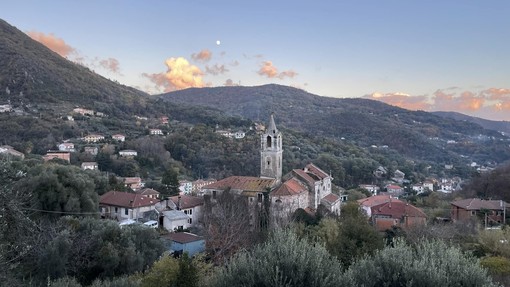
(268, 161)
(268, 141)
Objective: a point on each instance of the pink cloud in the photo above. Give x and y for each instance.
(179, 75)
(203, 56)
(54, 43)
(267, 69)
(401, 100)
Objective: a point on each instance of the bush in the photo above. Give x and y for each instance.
(284, 260)
(431, 263)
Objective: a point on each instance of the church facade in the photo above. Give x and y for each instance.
(305, 188)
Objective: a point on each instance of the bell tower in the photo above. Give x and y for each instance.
(271, 152)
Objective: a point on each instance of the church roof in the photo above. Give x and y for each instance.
(305, 176)
(244, 183)
(312, 168)
(289, 188)
(331, 198)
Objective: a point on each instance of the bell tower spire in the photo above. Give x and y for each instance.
(271, 152)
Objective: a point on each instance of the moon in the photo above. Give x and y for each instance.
(218, 42)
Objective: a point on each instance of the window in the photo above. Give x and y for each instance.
(116, 210)
(473, 212)
(268, 141)
(190, 220)
(259, 197)
(126, 211)
(214, 194)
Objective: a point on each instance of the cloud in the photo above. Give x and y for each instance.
(180, 75)
(267, 69)
(216, 69)
(466, 101)
(202, 56)
(54, 43)
(497, 94)
(110, 64)
(401, 100)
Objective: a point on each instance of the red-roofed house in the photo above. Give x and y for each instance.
(288, 197)
(51, 154)
(318, 182)
(396, 213)
(468, 208)
(133, 182)
(149, 192)
(394, 189)
(367, 203)
(125, 205)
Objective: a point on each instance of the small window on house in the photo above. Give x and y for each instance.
(116, 210)
(190, 211)
(214, 194)
(473, 212)
(259, 197)
(190, 220)
(126, 211)
(251, 199)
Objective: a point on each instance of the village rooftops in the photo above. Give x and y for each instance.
(331, 198)
(477, 204)
(244, 183)
(376, 200)
(311, 168)
(125, 199)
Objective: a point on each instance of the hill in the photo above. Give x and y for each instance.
(34, 77)
(501, 126)
(416, 134)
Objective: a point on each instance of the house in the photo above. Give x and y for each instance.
(5, 108)
(491, 211)
(149, 192)
(93, 150)
(93, 138)
(128, 153)
(89, 165)
(125, 205)
(367, 203)
(66, 146)
(83, 112)
(51, 154)
(288, 197)
(373, 189)
(175, 220)
(133, 182)
(225, 133)
(380, 172)
(180, 242)
(398, 176)
(394, 189)
(119, 137)
(239, 135)
(9, 151)
(396, 213)
(190, 205)
(418, 188)
(158, 132)
(196, 186)
(163, 120)
(428, 185)
(185, 186)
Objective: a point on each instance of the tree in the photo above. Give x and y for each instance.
(171, 182)
(430, 263)
(285, 260)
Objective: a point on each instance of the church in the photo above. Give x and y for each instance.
(305, 188)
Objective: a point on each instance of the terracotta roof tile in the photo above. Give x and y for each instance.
(397, 209)
(245, 183)
(187, 201)
(316, 171)
(125, 199)
(477, 204)
(305, 176)
(331, 198)
(376, 200)
(289, 188)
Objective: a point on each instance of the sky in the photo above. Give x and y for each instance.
(420, 55)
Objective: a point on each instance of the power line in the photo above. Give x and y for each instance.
(61, 212)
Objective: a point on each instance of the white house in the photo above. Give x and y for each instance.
(66, 146)
(239, 134)
(119, 137)
(190, 205)
(373, 189)
(93, 150)
(175, 220)
(128, 153)
(133, 182)
(10, 151)
(125, 205)
(89, 165)
(156, 132)
(185, 186)
(92, 138)
(418, 188)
